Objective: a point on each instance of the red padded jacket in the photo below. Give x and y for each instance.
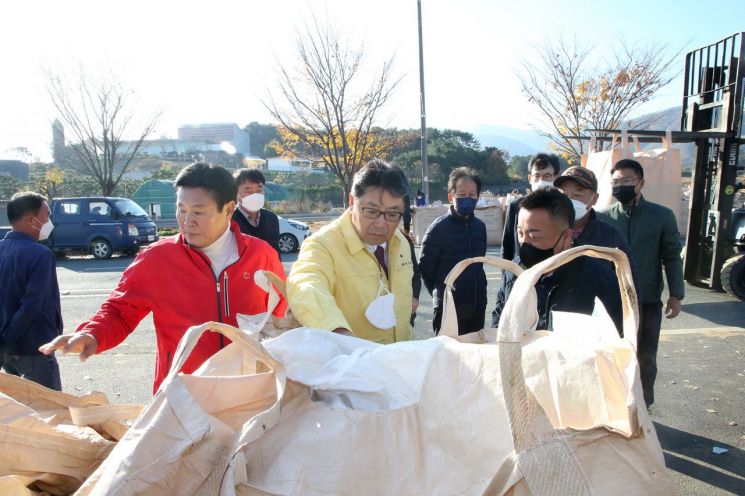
(176, 283)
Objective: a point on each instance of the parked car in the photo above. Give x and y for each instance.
(291, 234)
(99, 226)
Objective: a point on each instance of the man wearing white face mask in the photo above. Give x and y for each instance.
(251, 216)
(29, 294)
(542, 170)
(581, 186)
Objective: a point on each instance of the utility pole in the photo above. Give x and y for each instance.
(423, 136)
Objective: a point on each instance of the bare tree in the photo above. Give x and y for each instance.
(100, 114)
(324, 112)
(573, 95)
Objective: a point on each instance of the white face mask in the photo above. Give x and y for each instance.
(45, 230)
(535, 186)
(580, 209)
(253, 202)
(380, 312)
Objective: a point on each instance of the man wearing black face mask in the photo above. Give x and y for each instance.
(450, 239)
(652, 232)
(544, 228)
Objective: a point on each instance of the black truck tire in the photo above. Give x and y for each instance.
(733, 276)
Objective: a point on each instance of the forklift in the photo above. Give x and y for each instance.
(713, 103)
(714, 255)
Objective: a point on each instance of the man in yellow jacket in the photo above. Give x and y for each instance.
(355, 275)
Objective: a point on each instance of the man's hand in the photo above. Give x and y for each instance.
(344, 331)
(78, 342)
(673, 307)
(414, 305)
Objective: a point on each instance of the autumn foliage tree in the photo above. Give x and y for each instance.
(572, 94)
(327, 104)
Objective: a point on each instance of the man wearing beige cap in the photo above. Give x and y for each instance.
(581, 186)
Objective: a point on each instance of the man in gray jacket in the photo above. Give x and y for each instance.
(652, 232)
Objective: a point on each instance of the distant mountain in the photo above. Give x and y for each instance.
(515, 141)
(661, 120)
(512, 146)
(529, 142)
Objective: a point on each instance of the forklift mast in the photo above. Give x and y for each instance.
(713, 103)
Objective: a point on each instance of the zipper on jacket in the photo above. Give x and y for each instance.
(219, 303)
(225, 293)
(219, 310)
(470, 255)
(628, 225)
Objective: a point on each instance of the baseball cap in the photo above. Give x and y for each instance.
(581, 175)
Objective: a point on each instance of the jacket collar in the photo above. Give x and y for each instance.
(454, 216)
(19, 236)
(237, 235)
(351, 238)
(640, 204)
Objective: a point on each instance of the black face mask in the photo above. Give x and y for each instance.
(624, 194)
(530, 255)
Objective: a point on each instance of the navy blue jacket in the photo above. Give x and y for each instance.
(29, 295)
(570, 288)
(449, 240)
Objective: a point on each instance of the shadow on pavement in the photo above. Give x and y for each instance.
(692, 455)
(726, 313)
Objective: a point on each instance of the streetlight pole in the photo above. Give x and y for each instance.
(423, 136)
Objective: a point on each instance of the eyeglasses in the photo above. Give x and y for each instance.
(626, 181)
(374, 213)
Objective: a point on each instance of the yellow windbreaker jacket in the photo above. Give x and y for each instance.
(335, 278)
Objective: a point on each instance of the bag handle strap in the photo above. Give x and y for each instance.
(277, 282)
(521, 310)
(668, 140)
(91, 415)
(533, 436)
(625, 145)
(449, 325)
(637, 145)
(192, 335)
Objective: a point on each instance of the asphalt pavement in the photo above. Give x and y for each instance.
(700, 394)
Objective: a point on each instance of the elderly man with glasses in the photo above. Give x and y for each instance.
(355, 275)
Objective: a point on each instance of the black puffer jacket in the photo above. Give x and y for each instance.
(450, 239)
(572, 287)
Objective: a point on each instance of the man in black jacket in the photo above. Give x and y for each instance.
(450, 239)
(544, 229)
(251, 216)
(542, 170)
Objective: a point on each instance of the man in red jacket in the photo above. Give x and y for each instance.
(204, 274)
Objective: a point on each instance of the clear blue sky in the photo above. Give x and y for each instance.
(212, 61)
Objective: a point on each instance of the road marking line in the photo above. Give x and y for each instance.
(705, 330)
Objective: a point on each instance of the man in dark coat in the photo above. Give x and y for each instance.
(542, 170)
(251, 216)
(30, 312)
(454, 237)
(544, 229)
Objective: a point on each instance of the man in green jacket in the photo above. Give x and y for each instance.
(652, 233)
